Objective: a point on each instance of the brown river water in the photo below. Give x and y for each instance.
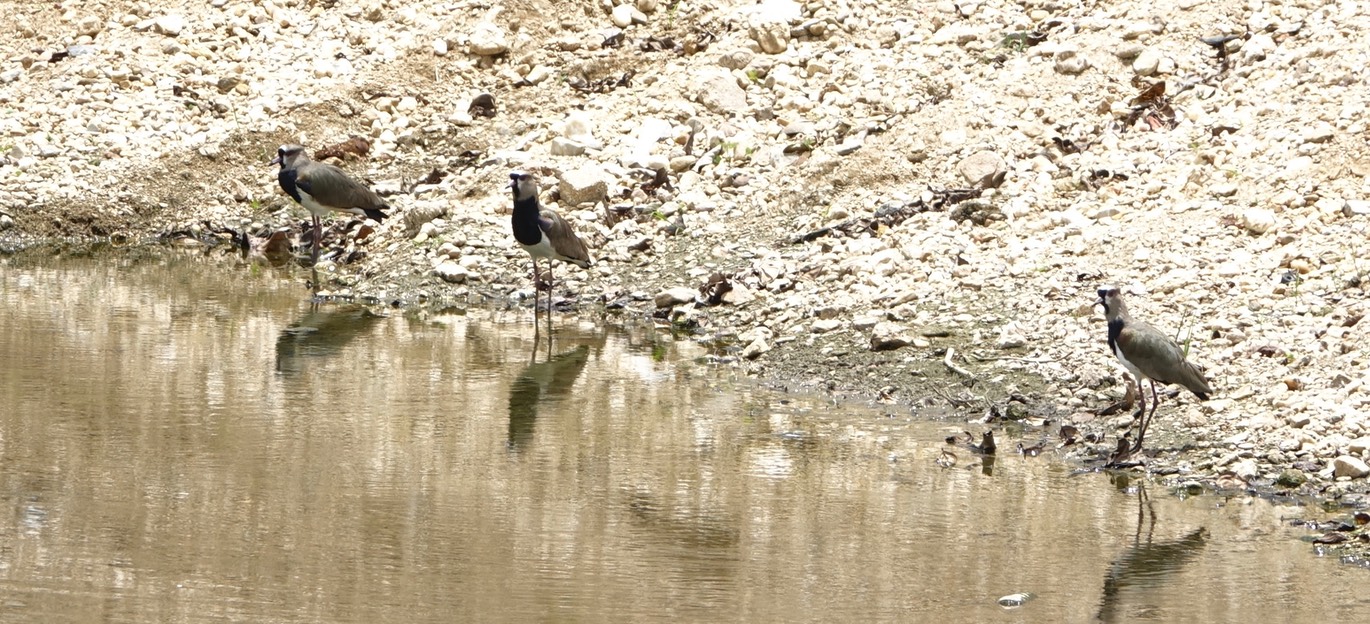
(188, 440)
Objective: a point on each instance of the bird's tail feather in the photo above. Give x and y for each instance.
(374, 213)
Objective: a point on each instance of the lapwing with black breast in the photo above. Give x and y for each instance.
(543, 234)
(323, 188)
(1149, 355)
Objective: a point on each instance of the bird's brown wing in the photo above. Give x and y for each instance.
(564, 239)
(332, 187)
(1160, 358)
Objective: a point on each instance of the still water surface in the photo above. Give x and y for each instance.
(182, 441)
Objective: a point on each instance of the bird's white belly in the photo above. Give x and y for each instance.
(1131, 368)
(542, 249)
(315, 208)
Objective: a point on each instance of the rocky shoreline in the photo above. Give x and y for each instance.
(836, 193)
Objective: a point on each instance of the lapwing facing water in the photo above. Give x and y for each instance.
(323, 188)
(1150, 356)
(543, 234)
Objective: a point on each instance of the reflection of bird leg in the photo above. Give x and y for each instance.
(318, 236)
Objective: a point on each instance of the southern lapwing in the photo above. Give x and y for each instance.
(323, 188)
(1150, 356)
(543, 233)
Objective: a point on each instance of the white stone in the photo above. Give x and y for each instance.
(452, 272)
(823, 326)
(1146, 63)
(622, 15)
(586, 184)
(674, 296)
(1348, 466)
(756, 348)
(440, 47)
(562, 146)
(170, 24)
(488, 39)
(888, 335)
(1258, 220)
(718, 91)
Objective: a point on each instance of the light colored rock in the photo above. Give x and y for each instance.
(737, 59)
(6, 222)
(672, 297)
(488, 39)
(89, 26)
(823, 326)
(1146, 63)
(771, 37)
(1320, 132)
(1348, 466)
(426, 231)
(888, 335)
(717, 90)
(1246, 469)
(170, 24)
(980, 165)
(622, 15)
(1258, 220)
(562, 146)
(1071, 63)
(1011, 336)
(452, 272)
(584, 185)
(756, 349)
(739, 295)
(440, 47)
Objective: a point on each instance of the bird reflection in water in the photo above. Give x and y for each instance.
(322, 332)
(1147, 563)
(548, 380)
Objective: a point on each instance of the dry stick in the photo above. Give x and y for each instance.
(946, 361)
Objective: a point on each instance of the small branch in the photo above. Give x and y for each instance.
(946, 361)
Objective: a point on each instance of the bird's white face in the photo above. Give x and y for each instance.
(523, 184)
(287, 153)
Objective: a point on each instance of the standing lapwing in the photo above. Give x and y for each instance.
(543, 234)
(1150, 356)
(323, 188)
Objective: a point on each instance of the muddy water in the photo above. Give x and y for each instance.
(182, 441)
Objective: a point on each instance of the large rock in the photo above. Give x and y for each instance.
(771, 37)
(980, 165)
(584, 185)
(717, 90)
(170, 25)
(887, 336)
(672, 297)
(1348, 466)
(452, 272)
(488, 39)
